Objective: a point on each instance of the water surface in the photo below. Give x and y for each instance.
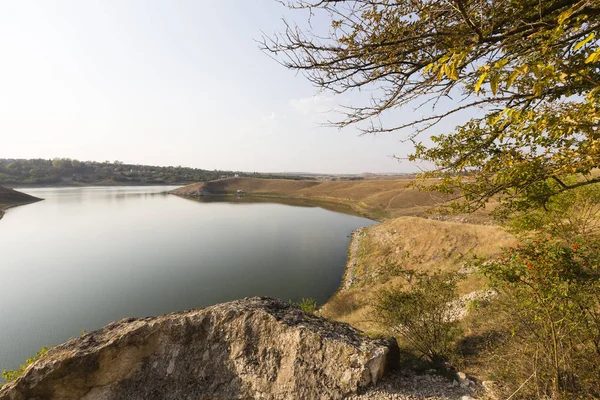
(87, 256)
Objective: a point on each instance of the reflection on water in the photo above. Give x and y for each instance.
(249, 199)
(88, 256)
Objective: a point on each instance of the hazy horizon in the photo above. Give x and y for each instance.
(177, 83)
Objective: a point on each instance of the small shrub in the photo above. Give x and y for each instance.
(308, 305)
(11, 375)
(422, 314)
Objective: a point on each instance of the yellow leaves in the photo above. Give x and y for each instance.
(480, 82)
(584, 41)
(494, 83)
(564, 16)
(447, 65)
(590, 97)
(594, 57)
(450, 70)
(537, 89)
(501, 63)
(512, 78)
(523, 69)
(570, 120)
(494, 119)
(440, 75)
(444, 58)
(563, 77)
(537, 69)
(513, 113)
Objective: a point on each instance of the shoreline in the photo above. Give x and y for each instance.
(351, 267)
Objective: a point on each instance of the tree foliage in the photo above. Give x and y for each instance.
(530, 68)
(549, 291)
(566, 215)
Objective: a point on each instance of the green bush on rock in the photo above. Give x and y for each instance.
(308, 305)
(11, 375)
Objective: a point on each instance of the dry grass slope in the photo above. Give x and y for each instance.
(414, 244)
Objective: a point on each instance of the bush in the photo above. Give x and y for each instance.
(550, 298)
(11, 375)
(308, 305)
(422, 314)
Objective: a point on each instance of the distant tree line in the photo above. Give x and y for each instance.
(65, 171)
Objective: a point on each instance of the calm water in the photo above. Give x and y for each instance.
(87, 256)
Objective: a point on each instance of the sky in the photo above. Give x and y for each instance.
(170, 83)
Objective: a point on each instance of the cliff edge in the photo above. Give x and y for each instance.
(257, 348)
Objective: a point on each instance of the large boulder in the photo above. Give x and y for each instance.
(257, 348)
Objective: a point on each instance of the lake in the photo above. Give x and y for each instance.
(84, 257)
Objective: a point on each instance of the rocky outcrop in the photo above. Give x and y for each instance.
(256, 348)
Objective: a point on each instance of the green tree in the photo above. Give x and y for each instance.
(549, 291)
(530, 68)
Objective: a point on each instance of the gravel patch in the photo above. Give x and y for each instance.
(403, 386)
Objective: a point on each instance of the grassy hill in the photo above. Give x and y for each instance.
(377, 199)
(11, 198)
(378, 253)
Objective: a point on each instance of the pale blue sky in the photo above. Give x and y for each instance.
(167, 83)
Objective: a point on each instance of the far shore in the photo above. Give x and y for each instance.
(81, 184)
(379, 200)
(375, 199)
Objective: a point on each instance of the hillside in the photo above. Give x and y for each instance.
(67, 172)
(379, 253)
(377, 199)
(11, 198)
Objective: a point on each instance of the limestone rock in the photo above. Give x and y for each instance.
(256, 348)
